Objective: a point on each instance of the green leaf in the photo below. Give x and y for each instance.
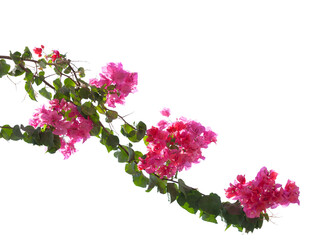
(26, 54)
(41, 74)
(40, 78)
(131, 154)
(47, 138)
(63, 92)
(137, 155)
(141, 129)
(4, 68)
(42, 63)
(30, 90)
(96, 130)
(126, 129)
(232, 219)
(193, 198)
(57, 83)
(210, 204)
(36, 136)
(145, 141)
(109, 140)
(68, 70)
(27, 138)
(84, 92)
(140, 180)
(208, 217)
(16, 133)
(112, 141)
(183, 187)
(121, 155)
(190, 200)
(173, 191)
(45, 93)
(28, 129)
(131, 168)
(29, 76)
(181, 200)
(6, 132)
(154, 181)
(81, 72)
(98, 95)
(88, 108)
(134, 135)
(69, 83)
(111, 115)
(56, 145)
(16, 57)
(95, 117)
(233, 208)
(266, 216)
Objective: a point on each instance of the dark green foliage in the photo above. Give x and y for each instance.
(6, 132)
(131, 168)
(134, 134)
(69, 83)
(210, 204)
(4, 68)
(154, 181)
(40, 78)
(42, 63)
(16, 133)
(96, 130)
(173, 191)
(140, 180)
(183, 187)
(84, 92)
(57, 83)
(30, 90)
(208, 217)
(38, 136)
(189, 201)
(109, 140)
(121, 155)
(81, 72)
(45, 93)
(16, 57)
(111, 115)
(26, 54)
(88, 109)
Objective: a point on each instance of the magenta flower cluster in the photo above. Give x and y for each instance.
(175, 146)
(66, 121)
(118, 82)
(262, 193)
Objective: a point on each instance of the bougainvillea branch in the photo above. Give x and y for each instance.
(74, 113)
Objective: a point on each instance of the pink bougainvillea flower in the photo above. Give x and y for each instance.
(262, 193)
(165, 112)
(55, 55)
(175, 146)
(118, 83)
(38, 51)
(66, 122)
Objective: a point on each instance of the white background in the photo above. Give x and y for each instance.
(251, 70)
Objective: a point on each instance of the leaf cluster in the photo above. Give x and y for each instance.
(36, 136)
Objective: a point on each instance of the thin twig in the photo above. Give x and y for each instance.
(28, 60)
(77, 82)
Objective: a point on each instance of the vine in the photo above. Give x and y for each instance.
(74, 114)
